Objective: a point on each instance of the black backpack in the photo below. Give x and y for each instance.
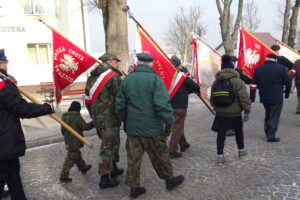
(222, 93)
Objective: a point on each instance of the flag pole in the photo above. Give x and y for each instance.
(95, 59)
(82, 139)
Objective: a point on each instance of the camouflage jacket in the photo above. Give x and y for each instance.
(102, 110)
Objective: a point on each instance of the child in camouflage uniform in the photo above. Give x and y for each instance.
(74, 119)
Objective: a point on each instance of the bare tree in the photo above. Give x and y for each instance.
(115, 27)
(250, 19)
(286, 16)
(293, 25)
(229, 36)
(179, 31)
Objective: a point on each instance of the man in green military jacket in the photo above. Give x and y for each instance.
(101, 91)
(143, 104)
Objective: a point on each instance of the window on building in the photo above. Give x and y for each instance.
(39, 7)
(38, 54)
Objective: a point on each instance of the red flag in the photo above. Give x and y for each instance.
(252, 52)
(69, 62)
(161, 64)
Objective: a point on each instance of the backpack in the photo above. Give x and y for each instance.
(222, 93)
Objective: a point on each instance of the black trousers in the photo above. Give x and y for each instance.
(10, 174)
(272, 117)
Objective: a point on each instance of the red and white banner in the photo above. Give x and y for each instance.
(251, 52)
(161, 64)
(69, 62)
(206, 62)
(98, 85)
(177, 83)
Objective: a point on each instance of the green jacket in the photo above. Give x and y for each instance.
(143, 103)
(102, 111)
(74, 120)
(242, 102)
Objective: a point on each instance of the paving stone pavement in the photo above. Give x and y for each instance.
(271, 171)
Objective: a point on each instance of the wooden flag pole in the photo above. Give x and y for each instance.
(55, 117)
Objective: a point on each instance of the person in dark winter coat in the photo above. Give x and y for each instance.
(74, 119)
(179, 104)
(230, 117)
(282, 60)
(270, 78)
(244, 78)
(297, 83)
(12, 140)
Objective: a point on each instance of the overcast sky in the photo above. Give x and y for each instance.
(155, 16)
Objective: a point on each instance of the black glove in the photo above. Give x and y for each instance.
(50, 109)
(287, 94)
(168, 129)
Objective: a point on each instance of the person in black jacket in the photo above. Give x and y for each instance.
(282, 59)
(180, 103)
(270, 78)
(12, 141)
(243, 77)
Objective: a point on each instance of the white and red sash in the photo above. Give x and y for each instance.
(177, 83)
(3, 83)
(98, 86)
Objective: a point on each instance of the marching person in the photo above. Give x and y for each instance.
(12, 141)
(229, 116)
(179, 104)
(101, 89)
(270, 78)
(74, 119)
(282, 60)
(296, 69)
(143, 104)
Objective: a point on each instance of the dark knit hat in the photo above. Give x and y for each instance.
(176, 60)
(75, 106)
(2, 55)
(226, 62)
(275, 47)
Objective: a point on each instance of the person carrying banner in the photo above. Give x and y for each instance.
(74, 119)
(270, 78)
(101, 89)
(179, 104)
(12, 142)
(243, 77)
(229, 116)
(143, 104)
(282, 59)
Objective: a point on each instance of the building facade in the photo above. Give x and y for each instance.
(28, 42)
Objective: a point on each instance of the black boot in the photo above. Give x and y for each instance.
(65, 179)
(174, 182)
(135, 192)
(4, 194)
(86, 169)
(272, 138)
(117, 171)
(106, 182)
(184, 147)
(175, 155)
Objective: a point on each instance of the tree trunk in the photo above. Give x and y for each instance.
(229, 38)
(293, 25)
(116, 30)
(285, 29)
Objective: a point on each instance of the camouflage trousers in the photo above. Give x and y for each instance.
(73, 157)
(157, 151)
(109, 149)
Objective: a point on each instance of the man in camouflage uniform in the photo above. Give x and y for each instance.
(102, 113)
(143, 104)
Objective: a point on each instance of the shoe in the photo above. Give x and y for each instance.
(273, 139)
(65, 179)
(107, 183)
(184, 147)
(135, 192)
(175, 155)
(116, 171)
(86, 169)
(242, 153)
(220, 160)
(174, 182)
(298, 112)
(230, 132)
(4, 194)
